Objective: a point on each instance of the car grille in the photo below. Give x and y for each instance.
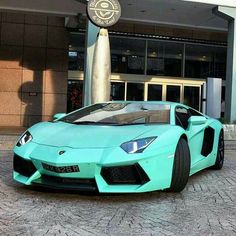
(133, 174)
(23, 166)
(87, 185)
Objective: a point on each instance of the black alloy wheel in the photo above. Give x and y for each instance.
(220, 152)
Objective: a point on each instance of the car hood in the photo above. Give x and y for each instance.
(61, 134)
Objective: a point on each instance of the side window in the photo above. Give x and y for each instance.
(181, 117)
(194, 113)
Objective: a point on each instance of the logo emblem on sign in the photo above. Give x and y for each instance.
(61, 152)
(104, 13)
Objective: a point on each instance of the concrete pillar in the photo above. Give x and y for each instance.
(213, 105)
(229, 14)
(91, 38)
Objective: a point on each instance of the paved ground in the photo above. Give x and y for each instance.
(206, 207)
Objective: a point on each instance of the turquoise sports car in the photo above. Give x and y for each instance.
(120, 147)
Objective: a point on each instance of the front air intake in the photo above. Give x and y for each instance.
(121, 175)
(23, 166)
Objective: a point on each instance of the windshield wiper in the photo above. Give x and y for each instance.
(84, 122)
(126, 124)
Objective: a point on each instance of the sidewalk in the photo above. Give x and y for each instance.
(8, 137)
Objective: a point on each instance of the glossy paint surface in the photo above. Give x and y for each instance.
(92, 147)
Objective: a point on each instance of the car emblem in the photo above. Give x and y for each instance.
(61, 152)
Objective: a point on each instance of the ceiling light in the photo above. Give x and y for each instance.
(127, 52)
(153, 54)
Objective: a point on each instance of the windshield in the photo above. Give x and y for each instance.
(120, 114)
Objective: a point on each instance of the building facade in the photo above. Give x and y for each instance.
(155, 56)
(33, 68)
(155, 67)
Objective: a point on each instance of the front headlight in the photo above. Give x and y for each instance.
(137, 146)
(26, 138)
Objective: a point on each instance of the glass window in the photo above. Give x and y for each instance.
(194, 113)
(181, 117)
(164, 58)
(135, 92)
(220, 62)
(154, 92)
(191, 96)
(117, 91)
(120, 114)
(76, 60)
(173, 93)
(205, 61)
(76, 52)
(74, 95)
(127, 55)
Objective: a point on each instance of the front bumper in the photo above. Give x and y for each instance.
(123, 173)
(52, 182)
(118, 175)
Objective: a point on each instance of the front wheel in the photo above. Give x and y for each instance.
(181, 167)
(220, 152)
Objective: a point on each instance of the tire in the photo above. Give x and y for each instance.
(181, 168)
(220, 152)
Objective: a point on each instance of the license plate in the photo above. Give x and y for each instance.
(61, 169)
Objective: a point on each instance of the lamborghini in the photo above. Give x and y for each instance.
(119, 147)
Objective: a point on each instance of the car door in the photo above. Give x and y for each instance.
(195, 133)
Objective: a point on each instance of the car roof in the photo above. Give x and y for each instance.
(150, 102)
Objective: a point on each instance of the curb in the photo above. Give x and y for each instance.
(7, 142)
(230, 132)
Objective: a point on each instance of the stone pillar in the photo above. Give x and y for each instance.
(229, 14)
(91, 38)
(101, 72)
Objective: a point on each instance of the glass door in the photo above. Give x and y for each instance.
(117, 91)
(183, 92)
(135, 92)
(74, 95)
(154, 92)
(173, 93)
(192, 96)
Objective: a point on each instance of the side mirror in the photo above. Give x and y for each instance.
(197, 120)
(58, 116)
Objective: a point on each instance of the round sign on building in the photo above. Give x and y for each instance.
(104, 13)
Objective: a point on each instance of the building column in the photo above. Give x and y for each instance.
(229, 14)
(91, 38)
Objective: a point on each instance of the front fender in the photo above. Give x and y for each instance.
(167, 139)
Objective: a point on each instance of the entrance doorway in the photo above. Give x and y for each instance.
(141, 88)
(74, 95)
(188, 94)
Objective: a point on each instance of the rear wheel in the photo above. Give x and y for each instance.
(220, 152)
(181, 167)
